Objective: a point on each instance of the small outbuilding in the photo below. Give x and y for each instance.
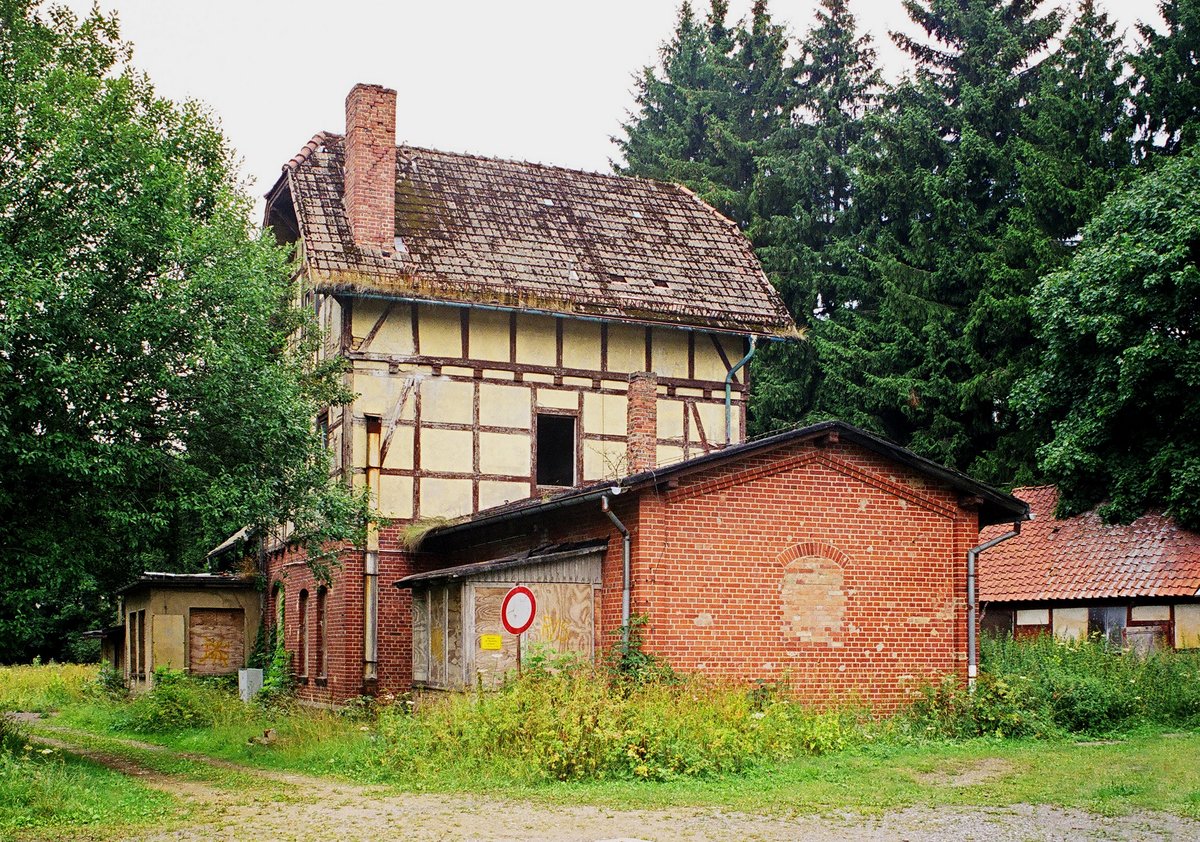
(204, 623)
(824, 560)
(1136, 585)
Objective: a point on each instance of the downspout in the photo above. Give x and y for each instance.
(972, 606)
(729, 389)
(625, 572)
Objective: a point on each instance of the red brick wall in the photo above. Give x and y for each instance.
(344, 629)
(710, 557)
(713, 575)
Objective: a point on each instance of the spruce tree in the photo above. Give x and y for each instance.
(1167, 70)
(803, 194)
(926, 350)
(702, 122)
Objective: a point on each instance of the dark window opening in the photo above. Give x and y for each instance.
(302, 619)
(555, 450)
(1107, 623)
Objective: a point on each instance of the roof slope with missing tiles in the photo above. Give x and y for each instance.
(1082, 558)
(517, 235)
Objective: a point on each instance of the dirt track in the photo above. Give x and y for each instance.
(299, 807)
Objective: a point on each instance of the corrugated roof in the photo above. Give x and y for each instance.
(528, 236)
(1083, 558)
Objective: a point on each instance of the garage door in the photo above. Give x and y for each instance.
(216, 640)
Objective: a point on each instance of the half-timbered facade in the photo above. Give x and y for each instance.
(513, 330)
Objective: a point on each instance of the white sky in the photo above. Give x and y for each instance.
(537, 80)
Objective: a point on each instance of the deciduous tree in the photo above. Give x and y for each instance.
(1119, 382)
(154, 396)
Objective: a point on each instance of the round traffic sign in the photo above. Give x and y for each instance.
(518, 609)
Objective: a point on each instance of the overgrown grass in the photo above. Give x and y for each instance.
(40, 688)
(1044, 687)
(584, 723)
(42, 788)
(577, 732)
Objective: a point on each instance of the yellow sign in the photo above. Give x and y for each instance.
(491, 642)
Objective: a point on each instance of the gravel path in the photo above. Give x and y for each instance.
(300, 807)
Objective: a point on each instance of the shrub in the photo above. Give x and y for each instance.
(178, 702)
(1091, 687)
(998, 706)
(581, 722)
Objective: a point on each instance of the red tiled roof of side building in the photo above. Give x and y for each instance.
(1083, 558)
(528, 236)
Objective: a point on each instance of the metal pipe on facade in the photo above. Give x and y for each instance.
(729, 389)
(627, 576)
(972, 606)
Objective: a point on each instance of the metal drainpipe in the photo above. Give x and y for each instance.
(729, 389)
(625, 552)
(972, 606)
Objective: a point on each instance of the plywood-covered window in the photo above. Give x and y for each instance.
(555, 453)
(322, 620)
(437, 636)
(216, 640)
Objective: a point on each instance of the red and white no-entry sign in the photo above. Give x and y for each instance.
(518, 609)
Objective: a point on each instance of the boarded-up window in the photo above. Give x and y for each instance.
(322, 620)
(216, 640)
(437, 636)
(814, 601)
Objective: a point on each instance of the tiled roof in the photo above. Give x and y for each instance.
(1082, 558)
(519, 235)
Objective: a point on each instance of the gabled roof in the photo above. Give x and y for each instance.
(994, 506)
(532, 237)
(1082, 558)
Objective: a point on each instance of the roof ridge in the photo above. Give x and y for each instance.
(306, 151)
(499, 159)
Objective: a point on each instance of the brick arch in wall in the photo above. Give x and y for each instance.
(813, 593)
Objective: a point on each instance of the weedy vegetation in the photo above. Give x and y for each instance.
(631, 731)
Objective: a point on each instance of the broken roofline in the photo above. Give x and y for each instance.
(151, 579)
(996, 506)
(741, 299)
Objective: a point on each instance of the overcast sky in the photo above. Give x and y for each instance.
(538, 80)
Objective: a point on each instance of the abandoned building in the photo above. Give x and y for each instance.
(528, 344)
(1135, 585)
(200, 622)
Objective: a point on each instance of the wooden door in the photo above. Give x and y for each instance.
(216, 641)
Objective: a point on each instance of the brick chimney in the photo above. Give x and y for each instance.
(371, 166)
(641, 422)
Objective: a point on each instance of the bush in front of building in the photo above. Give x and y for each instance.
(584, 723)
(1044, 686)
(178, 702)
